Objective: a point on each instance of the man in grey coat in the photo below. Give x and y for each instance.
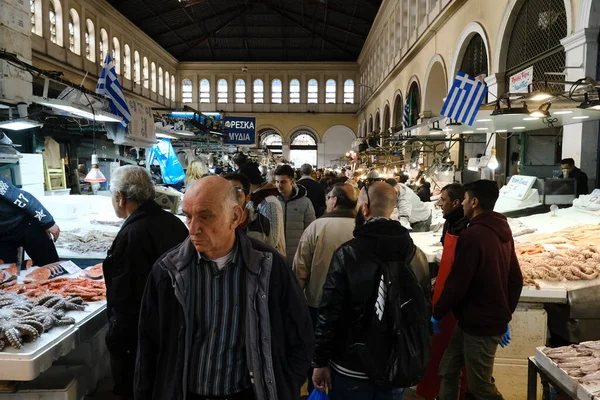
(298, 211)
(222, 316)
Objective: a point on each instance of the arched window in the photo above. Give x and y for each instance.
(160, 81)
(240, 91)
(303, 138)
(349, 91)
(167, 85)
(74, 32)
(474, 62)
(186, 91)
(173, 87)
(55, 20)
(535, 41)
(90, 41)
(103, 44)
(398, 112)
(413, 101)
(116, 55)
(153, 77)
(222, 91)
(35, 6)
(294, 91)
(313, 91)
(145, 76)
(259, 91)
(205, 91)
(136, 67)
(330, 91)
(276, 91)
(127, 61)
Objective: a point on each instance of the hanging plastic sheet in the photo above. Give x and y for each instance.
(164, 154)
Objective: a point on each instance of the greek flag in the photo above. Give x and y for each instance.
(405, 119)
(464, 99)
(109, 86)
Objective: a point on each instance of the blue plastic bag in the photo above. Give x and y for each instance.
(316, 395)
(170, 168)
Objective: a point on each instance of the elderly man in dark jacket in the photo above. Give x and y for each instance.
(147, 233)
(314, 191)
(222, 315)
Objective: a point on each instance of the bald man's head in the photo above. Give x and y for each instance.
(342, 197)
(377, 200)
(212, 214)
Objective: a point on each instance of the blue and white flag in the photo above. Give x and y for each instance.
(109, 86)
(406, 117)
(464, 99)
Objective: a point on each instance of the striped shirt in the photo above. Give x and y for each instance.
(217, 364)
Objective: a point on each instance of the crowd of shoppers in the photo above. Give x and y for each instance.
(258, 296)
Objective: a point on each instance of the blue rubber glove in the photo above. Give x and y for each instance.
(506, 338)
(436, 326)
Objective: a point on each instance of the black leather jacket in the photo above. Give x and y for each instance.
(350, 289)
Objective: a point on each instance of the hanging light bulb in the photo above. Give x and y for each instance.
(95, 175)
(493, 163)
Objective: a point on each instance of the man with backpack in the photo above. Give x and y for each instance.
(375, 307)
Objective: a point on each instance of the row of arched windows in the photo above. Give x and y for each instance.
(258, 91)
(139, 70)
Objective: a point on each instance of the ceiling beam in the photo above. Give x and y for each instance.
(314, 32)
(344, 13)
(328, 24)
(216, 30)
(194, 22)
(352, 20)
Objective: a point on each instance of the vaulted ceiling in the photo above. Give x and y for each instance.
(255, 30)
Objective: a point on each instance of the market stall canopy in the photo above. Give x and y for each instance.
(520, 120)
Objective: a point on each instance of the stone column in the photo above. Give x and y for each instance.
(580, 141)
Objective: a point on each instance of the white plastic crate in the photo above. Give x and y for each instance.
(15, 42)
(15, 19)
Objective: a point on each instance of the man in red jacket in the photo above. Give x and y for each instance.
(482, 290)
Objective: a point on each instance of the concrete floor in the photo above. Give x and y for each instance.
(104, 392)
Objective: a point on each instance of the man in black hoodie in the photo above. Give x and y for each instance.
(482, 290)
(350, 291)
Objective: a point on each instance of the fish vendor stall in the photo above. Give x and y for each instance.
(52, 331)
(559, 255)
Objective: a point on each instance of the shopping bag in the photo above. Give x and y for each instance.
(316, 395)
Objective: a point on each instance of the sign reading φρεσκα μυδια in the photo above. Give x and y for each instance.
(240, 130)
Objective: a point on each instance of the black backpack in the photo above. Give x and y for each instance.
(396, 344)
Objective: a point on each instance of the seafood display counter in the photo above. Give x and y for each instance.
(574, 371)
(52, 320)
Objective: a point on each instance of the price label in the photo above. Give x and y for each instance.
(70, 267)
(518, 187)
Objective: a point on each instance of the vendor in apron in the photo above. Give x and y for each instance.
(450, 202)
(24, 222)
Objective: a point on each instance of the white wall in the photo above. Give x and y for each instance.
(336, 142)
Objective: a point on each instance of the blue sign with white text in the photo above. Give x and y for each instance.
(240, 130)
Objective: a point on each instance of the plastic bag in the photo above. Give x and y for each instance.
(170, 168)
(316, 395)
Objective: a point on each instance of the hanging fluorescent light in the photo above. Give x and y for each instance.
(19, 124)
(95, 175)
(541, 96)
(80, 111)
(562, 112)
(165, 136)
(493, 162)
